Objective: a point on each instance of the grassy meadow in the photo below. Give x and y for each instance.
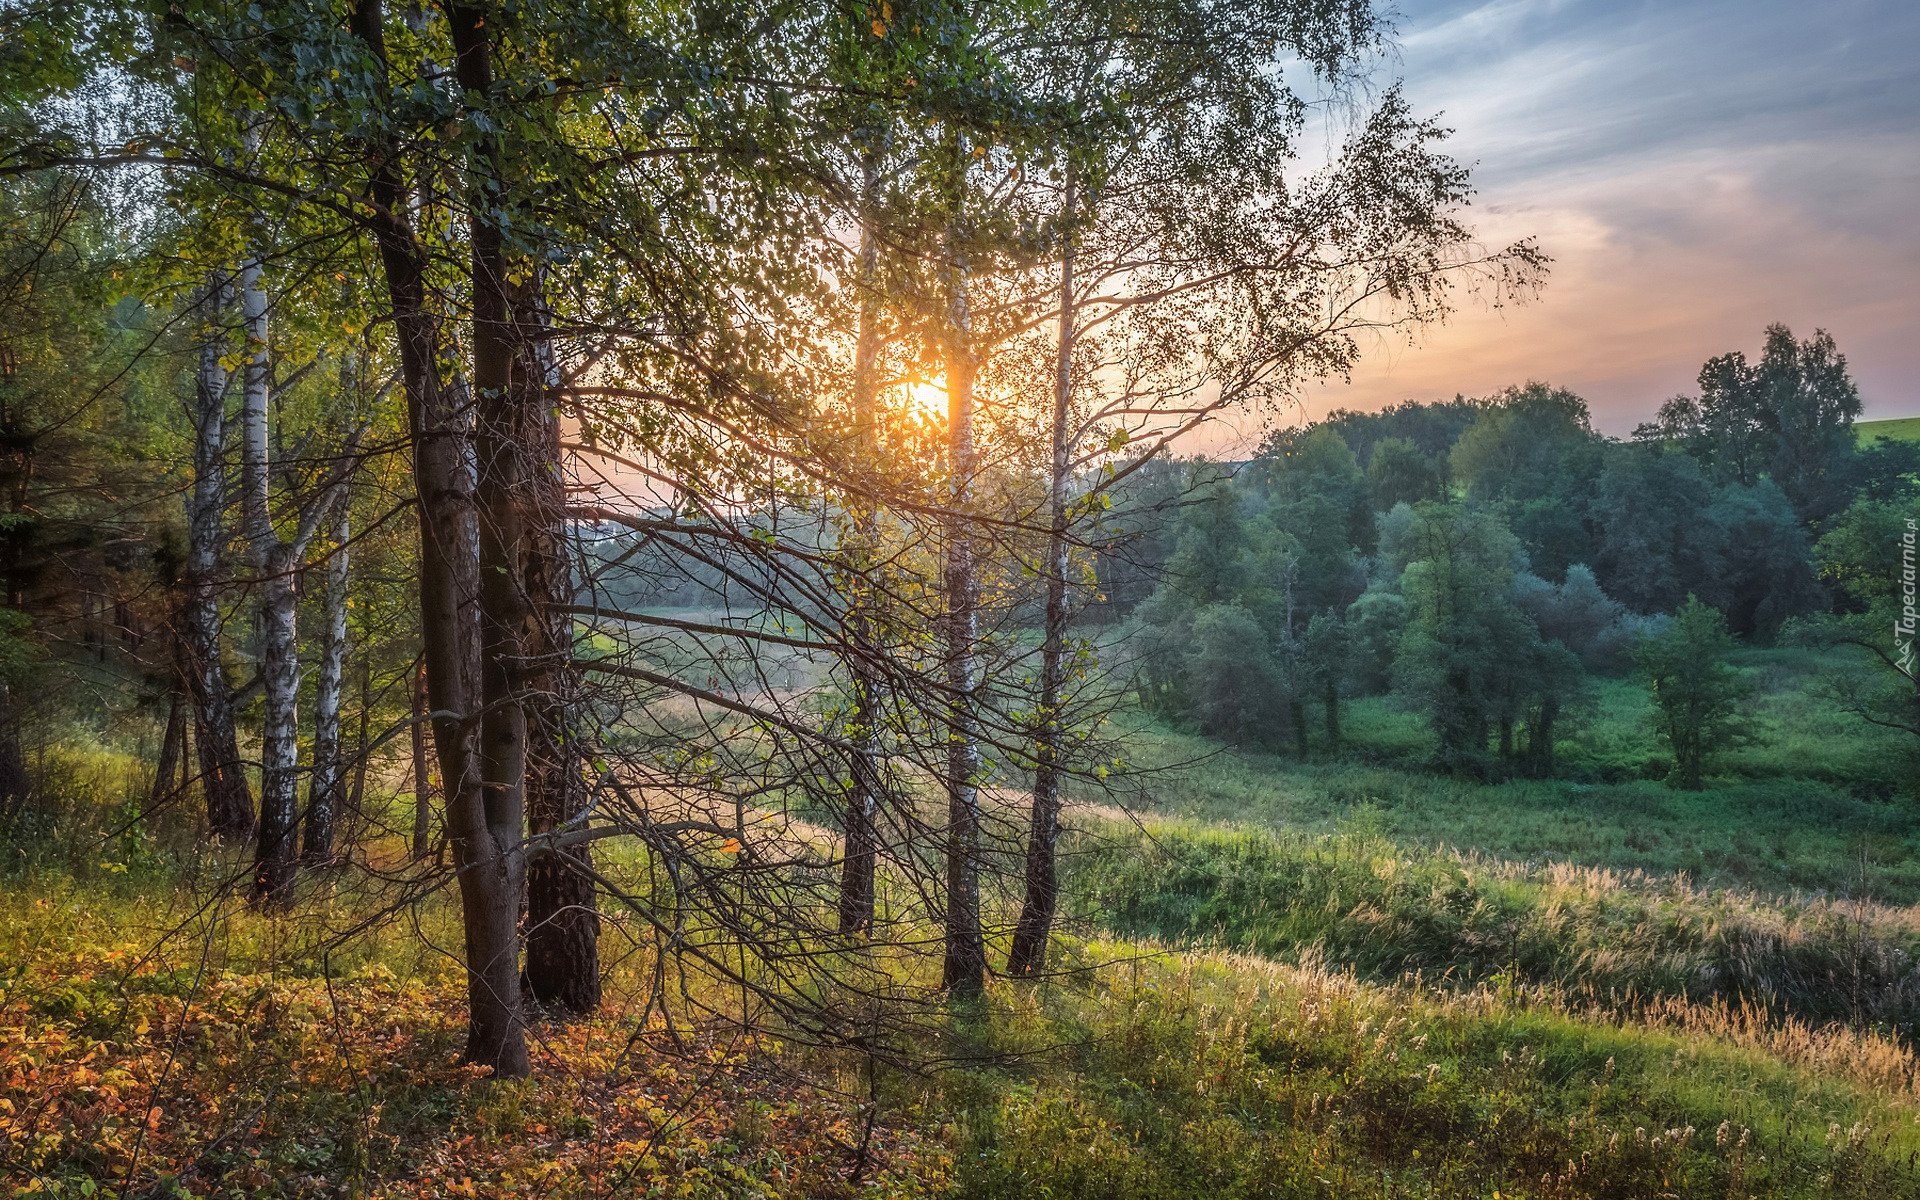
(1821, 803)
(165, 1047)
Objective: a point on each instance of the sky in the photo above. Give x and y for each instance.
(1696, 169)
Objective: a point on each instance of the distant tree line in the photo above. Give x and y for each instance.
(1482, 559)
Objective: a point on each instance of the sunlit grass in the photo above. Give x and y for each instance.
(1614, 939)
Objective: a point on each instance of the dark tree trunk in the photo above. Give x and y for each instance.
(1297, 713)
(422, 772)
(172, 751)
(563, 921)
(1330, 698)
(17, 445)
(1028, 955)
(449, 585)
(1690, 757)
(1540, 738)
(857, 887)
(14, 784)
(489, 837)
(965, 964)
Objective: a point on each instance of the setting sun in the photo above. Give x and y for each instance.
(926, 399)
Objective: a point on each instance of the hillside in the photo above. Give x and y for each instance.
(1899, 429)
(228, 1060)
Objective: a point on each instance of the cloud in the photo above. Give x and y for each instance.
(1697, 170)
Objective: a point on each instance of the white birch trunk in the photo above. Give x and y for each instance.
(229, 802)
(274, 564)
(327, 787)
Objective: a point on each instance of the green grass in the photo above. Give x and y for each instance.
(1778, 835)
(1900, 429)
(1224, 1076)
(1613, 939)
(1136, 1073)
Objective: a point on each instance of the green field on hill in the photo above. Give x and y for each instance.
(1898, 429)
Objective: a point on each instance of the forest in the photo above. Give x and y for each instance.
(610, 599)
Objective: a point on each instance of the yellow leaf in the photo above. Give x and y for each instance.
(879, 29)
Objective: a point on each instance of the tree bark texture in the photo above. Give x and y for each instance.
(223, 778)
(857, 885)
(172, 751)
(326, 787)
(489, 841)
(562, 921)
(275, 565)
(964, 969)
(1028, 955)
(449, 594)
(422, 771)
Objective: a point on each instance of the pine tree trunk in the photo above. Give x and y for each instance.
(275, 563)
(223, 778)
(1028, 955)
(857, 884)
(326, 788)
(964, 969)
(449, 583)
(563, 921)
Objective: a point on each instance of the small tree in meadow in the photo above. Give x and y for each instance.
(1699, 698)
(1237, 690)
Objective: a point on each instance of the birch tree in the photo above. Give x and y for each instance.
(326, 787)
(278, 561)
(229, 800)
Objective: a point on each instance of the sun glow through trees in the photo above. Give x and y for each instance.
(925, 399)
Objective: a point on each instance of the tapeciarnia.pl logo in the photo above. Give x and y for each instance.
(1903, 625)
